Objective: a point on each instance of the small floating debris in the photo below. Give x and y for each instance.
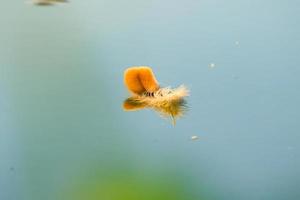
(237, 43)
(212, 65)
(194, 137)
(47, 2)
(147, 93)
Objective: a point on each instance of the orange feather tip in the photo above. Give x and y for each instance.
(148, 79)
(140, 79)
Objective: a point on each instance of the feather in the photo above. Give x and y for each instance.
(166, 101)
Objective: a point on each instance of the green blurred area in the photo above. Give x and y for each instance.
(119, 184)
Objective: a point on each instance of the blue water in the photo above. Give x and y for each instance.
(61, 93)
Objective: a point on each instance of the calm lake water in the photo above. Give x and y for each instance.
(65, 136)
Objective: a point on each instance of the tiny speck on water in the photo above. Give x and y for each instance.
(194, 137)
(47, 2)
(237, 43)
(212, 65)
